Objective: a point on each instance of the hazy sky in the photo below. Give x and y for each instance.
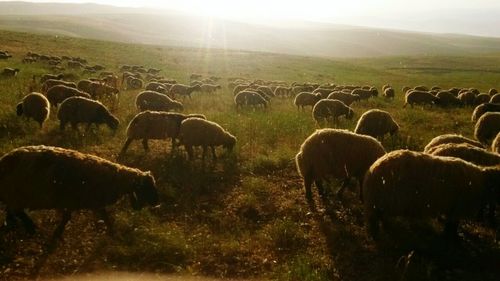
(480, 17)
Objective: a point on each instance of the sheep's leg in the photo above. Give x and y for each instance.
(213, 152)
(204, 152)
(62, 125)
(321, 189)
(190, 152)
(125, 146)
(373, 227)
(107, 220)
(340, 192)
(66, 216)
(145, 144)
(307, 186)
(28, 223)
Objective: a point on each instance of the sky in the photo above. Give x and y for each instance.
(477, 17)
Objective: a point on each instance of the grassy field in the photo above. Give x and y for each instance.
(245, 214)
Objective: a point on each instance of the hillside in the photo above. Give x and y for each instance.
(178, 29)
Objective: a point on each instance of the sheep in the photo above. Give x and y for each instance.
(200, 132)
(249, 98)
(365, 94)
(98, 91)
(467, 98)
(302, 88)
(46, 77)
(10, 72)
(266, 90)
(282, 91)
(487, 127)
(420, 97)
(327, 108)
(306, 99)
(495, 145)
(421, 88)
(467, 152)
(209, 88)
(435, 88)
(495, 98)
(59, 93)
(75, 64)
(152, 70)
(53, 82)
(389, 93)
(412, 184)
(155, 125)
(446, 99)
(158, 87)
(67, 180)
(449, 138)
(323, 92)
(346, 98)
(405, 89)
(492, 92)
(338, 154)
(376, 123)
(77, 110)
(482, 98)
(36, 106)
(195, 76)
(134, 83)
(455, 91)
(183, 90)
(482, 109)
(151, 100)
(386, 86)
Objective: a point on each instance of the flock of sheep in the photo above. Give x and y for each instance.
(454, 176)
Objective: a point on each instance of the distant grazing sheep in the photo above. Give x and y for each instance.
(266, 90)
(53, 82)
(76, 110)
(204, 133)
(323, 92)
(483, 108)
(389, 93)
(487, 127)
(155, 125)
(306, 99)
(75, 64)
(326, 108)
(417, 185)
(9, 72)
(449, 138)
(46, 77)
(492, 92)
(469, 153)
(67, 180)
(249, 98)
(376, 123)
(365, 94)
(209, 88)
(467, 98)
(421, 88)
(495, 98)
(335, 153)
(158, 87)
(35, 106)
(419, 97)
(99, 91)
(405, 89)
(282, 91)
(240, 87)
(150, 100)
(346, 98)
(59, 93)
(386, 86)
(482, 98)
(183, 90)
(446, 99)
(495, 145)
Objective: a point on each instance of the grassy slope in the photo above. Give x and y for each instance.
(245, 215)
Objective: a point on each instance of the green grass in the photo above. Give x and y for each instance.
(244, 215)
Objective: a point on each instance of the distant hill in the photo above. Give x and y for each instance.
(179, 29)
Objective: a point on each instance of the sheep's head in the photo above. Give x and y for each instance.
(112, 122)
(394, 128)
(374, 92)
(19, 109)
(230, 142)
(177, 106)
(144, 193)
(349, 114)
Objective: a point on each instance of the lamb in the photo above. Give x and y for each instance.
(67, 180)
(482, 109)
(150, 100)
(155, 125)
(36, 106)
(53, 82)
(59, 93)
(46, 77)
(204, 133)
(10, 72)
(482, 98)
(495, 98)
(469, 153)
(389, 93)
(183, 90)
(249, 98)
(495, 145)
(346, 98)
(365, 94)
(376, 123)
(335, 153)
(420, 97)
(446, 99)
(449, 138)
(77, 110)
(412, 184)
(306, 99)
(327, 108)
(467, 98)
(487, 127)
(209, 88)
